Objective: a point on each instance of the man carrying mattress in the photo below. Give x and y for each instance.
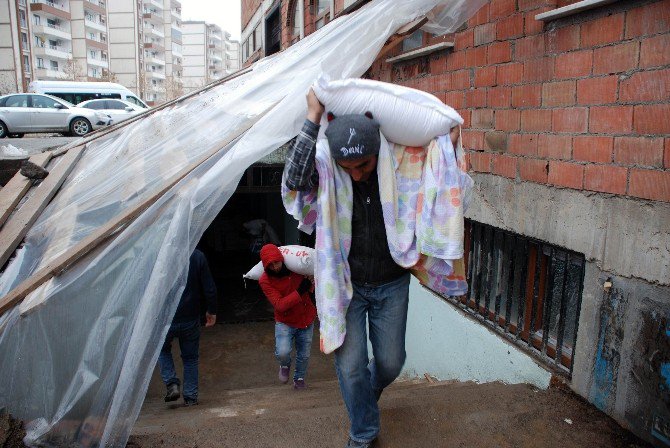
(380, 285)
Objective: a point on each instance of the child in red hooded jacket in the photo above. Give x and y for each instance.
(288, 293)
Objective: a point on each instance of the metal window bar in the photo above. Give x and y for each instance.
(530, 291)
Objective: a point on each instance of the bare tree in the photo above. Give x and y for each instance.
(73, 71)
(108, 76)
(173, 88)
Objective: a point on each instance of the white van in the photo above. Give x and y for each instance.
(76, 92)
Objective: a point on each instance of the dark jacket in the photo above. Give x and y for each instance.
(369, 258)
(291, 308)
(199, 283)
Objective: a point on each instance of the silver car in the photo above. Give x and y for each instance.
(119, 110)
(32, 112)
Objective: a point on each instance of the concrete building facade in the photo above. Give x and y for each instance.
(567, 132)
(49, 40)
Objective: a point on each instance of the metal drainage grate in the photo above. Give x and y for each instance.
(528, 290)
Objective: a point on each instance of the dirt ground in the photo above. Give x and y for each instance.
(11, 432)
(243, 405)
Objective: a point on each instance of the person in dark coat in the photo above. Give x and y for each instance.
(186, 327)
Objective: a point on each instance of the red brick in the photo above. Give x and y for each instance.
(480, 161)
(481, 16)
(533, 26)
(652, 119)
(475, 57)
(666, 158)
(605, 30)
(509, 74)
(455, 99)
(482, 119)
(615, 58)
(564, 174)
(500, 52)
(485, 76)
(648, 19)
(465, 114)
(510, 27)
(529, 47)
(523, 144)
(501, 8)
(475, 98)
(499, 96)
(525, 5)
(536, 120)
(529, 95)
(559, 93)
(485, 34)
(538, 70)
(504, 166)
(508, 120)
(574, 119)
(563, 39)
(646, 86)
(605, 178)
(576, 64)
(552, 146)
(534, 170)
(611, 119)
(655, 51)
(460, 80)
(638, 151)
(464, 39)
(597, 90)
(592, 149)
(473, 139)
(650, 184)
(456, 60)
(439, 83)
(438, 66)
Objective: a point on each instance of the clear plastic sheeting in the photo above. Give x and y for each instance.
(444, 18)
(77, 355)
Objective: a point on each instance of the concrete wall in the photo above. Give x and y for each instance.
(444, 343)
(622, 357)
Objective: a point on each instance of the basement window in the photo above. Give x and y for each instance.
(528, 290)
(421, 43)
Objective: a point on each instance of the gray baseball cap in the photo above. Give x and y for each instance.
(353, 136)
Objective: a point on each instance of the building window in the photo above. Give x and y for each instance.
(24, 39)
(40, 63)
(37, 20)
(257, 38)
(294, 21)
(321, 13)
(414, 41)
(22, 15)
(26, 63)
(321, 6)
(54, 65)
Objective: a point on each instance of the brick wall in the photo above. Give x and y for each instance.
(580, 102)
(249, 8)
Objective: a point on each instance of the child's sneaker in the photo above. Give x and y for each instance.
(299, 384)
(283, 374)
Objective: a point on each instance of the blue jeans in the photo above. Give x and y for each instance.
(361, 379)
(284, 339)
(188, 334)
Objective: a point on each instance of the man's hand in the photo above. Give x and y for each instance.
(210, 320)
(314, 108)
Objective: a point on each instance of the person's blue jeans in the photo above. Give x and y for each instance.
(361, 379)
(188, 334)
(285, 337)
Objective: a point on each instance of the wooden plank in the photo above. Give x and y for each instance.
(402, 33)
(60, 264)
(17, 187)
(104, 131)
(15, 229)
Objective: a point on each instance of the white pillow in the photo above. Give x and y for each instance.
(298, 259)
(406, 116)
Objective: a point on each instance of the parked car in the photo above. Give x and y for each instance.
(117, 109)
(75, 92)
(22, 112)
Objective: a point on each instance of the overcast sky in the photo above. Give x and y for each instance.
(225, 13)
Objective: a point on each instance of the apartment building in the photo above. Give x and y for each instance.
(209, 54)
(52, 39)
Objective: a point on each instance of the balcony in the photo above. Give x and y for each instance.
(95, 6)
(96, 44)
(47, 73)
(177, 53)
(53, 51)
(216, 57)
(155, 74)
(176, 13)
(47, 7)
(153, 16)
(153, 32)
(154, 60)
(52, 30)
(155, 3)
(95, 24)
(154, 46)
(97, 62)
